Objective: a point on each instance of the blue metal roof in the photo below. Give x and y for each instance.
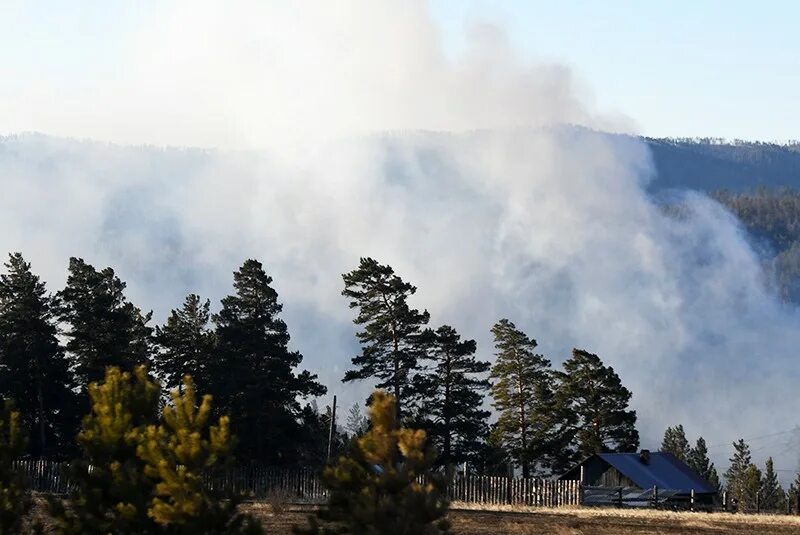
(664, 471)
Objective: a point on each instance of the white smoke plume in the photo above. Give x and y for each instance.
(341, 129)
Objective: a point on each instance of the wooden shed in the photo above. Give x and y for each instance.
(643, 471)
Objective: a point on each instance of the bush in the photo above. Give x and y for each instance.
(15, 501)
(141, 474)
(385, 486)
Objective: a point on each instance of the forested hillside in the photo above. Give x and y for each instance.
(772, 217)
(713, 164)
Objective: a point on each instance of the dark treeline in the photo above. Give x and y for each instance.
(54, 345)
(749, 488)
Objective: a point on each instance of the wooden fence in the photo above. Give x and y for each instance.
(48, 477)
(500, 490)
(295, 485)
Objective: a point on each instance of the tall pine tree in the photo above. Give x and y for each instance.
(699, 462)
(594, 407)
(451, 390)
(735, 476)
(104, 328)
(185, 344)
(254, 373)
(392, 339)
(675, 442)
(773, 498)
(33, 368)
(523, 396)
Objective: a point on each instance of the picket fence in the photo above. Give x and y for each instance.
(299, 485)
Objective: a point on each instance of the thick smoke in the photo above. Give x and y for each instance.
(363, 138)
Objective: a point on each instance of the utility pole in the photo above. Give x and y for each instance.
(331, 430)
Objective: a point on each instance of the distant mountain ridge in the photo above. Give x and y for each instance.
(704, 164)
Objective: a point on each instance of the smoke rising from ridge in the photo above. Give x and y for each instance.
(477, 195)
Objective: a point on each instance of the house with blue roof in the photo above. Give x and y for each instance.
(643, 472)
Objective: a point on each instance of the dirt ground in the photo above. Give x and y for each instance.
(573, 522)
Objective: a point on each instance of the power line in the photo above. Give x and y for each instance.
(751, 439)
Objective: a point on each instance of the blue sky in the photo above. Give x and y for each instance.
(727, 68)
(716, 68)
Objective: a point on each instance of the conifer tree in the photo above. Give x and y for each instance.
(141, 474)
(316, 432)
(452, 389)
(254, 373)
(33, 368)
(357, 424)
(794, 495)
(492, 459)
(104, 328)
(594, 405)
(185, 344)
(675, 442)
(699, 462)
(523, 396)
(735, 475)
(15, 500)
(176, 454)
(113, 493)
(773, 498)
(392, 340)
(750, 486)
(375, 490)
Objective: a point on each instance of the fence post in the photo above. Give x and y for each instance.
(619, 491)
(725, 500)
(758, 501)
(691, 500)
(655, 496)
(509, 483)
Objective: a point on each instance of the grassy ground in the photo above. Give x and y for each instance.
(584, 521)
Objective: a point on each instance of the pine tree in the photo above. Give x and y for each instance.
(375, 490)
(492, 459)
(794, 495)
(105, 329)
(316, 432)
(254, 378)
(735, 475)
(15, 500)
(141, 474)
(452, 391)
(522, 394)
(675, 442)
(750, 485)
(392, 339)
(594, 405)
(699, 462)
(357, 424)
(112, 494)
(773, 498)
(186, 344)
(33, 368)
(176, 454)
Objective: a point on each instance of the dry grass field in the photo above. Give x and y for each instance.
(520, 521)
